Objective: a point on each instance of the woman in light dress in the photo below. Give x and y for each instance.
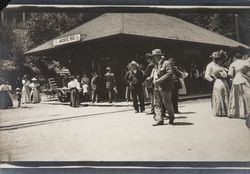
(183, 89)
(35, 94)
(5, 100)
(239, 102)
(26, 90)
(217, 74)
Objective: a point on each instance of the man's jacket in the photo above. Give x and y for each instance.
(165, 75)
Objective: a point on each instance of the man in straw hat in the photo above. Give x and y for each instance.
(110, 83)
(135, 79)
(163, 85)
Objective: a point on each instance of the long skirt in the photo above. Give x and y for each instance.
(74, 98)
(35, 95)
(239, 102)
(183, 89)
(220, 98)
(26, 98)
(5, 100)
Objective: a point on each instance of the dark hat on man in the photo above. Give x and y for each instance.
(157, 52)
(134, 63)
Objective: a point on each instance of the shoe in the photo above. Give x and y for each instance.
(150, 113)
(136, 111)
(154, 117)
(158, 123)
(176, 112)
(171, 122)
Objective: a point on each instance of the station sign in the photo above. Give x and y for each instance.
(66, 40)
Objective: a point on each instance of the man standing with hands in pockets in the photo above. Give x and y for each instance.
(162, 76)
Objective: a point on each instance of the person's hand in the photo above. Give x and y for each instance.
(156, 82)
(149, 79)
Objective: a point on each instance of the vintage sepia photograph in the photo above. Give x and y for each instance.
(86, 82)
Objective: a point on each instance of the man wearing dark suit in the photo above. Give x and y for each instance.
(149, 83)
(135, 78)
(162, 76)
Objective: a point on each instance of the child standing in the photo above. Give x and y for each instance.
(19, 96)
(85, 87)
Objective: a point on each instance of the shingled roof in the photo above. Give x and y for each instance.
(142, 24)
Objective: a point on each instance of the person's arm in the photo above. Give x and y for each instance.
(127, 76)
(231, 72)
(208, 73)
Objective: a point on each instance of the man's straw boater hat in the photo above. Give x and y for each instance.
(134, 63)
(34, 79)
(156, 52)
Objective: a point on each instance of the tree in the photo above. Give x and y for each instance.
(38, 33)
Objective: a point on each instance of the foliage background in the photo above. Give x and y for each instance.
(41, 27)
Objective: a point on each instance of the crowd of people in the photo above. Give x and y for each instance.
(27, 91)
(90, 88)
(164, 81)
(160, 82)
(231, 85)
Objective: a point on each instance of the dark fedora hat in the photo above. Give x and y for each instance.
(157, 52)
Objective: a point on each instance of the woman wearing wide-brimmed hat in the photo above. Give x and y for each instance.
(218, 74)
(26, 90)
(35, 94)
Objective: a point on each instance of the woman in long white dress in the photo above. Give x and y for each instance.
(239, 102)
(35, 94)
(26, 90)
(217, 74)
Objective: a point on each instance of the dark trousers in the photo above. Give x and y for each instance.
(85, 97)
(162, 102)
(111, 95)
(74, 98)
(138, 92)
(95, 96)
(175, 99)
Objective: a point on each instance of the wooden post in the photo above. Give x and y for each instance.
(237, 27)
(24, 17)
(2, 18)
